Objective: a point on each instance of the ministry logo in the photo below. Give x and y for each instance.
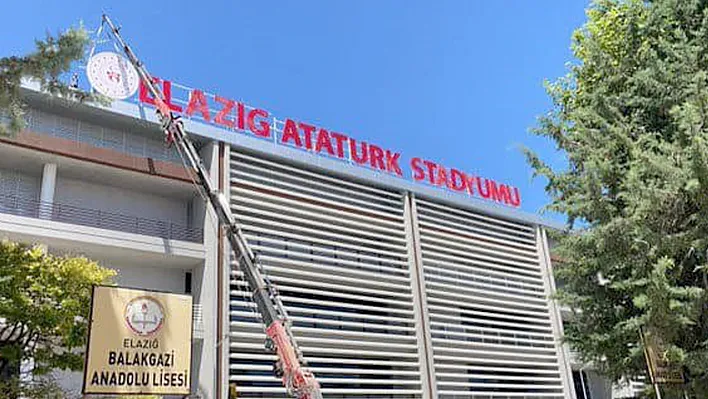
(144, 316)
(112, 75)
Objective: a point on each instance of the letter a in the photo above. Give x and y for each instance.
(290, 132)
(197, 102)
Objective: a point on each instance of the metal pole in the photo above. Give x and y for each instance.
(657, 390)
(297, 380)
(220, 282)
(581, 372)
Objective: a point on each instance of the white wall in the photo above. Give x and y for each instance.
(206, 289)
(120, 200)
(152, 278)
(69, 381)
(600, 387)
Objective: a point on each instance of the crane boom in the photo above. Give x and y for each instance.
(298, 381)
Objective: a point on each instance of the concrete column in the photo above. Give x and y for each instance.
(420, 300)
(555, 313)
(46, 194)
(204, 284)
(224, 340)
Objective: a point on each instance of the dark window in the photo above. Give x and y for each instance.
(188, 282)
(580, 380)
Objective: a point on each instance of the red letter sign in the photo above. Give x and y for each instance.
(146, 97)
(197, 102)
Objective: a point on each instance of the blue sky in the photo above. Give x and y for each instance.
(457, 82)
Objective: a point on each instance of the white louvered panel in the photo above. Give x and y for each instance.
(484, 261)
(327, 251)
(479, 271)
(484, 280)
(282, 235)
(336, 322)
(490, 324)
(337, 223)
(281, 199)
(261, 224)
(311, 193)
(339, 299)
(337, 251)
(481, 318)
(287, 174)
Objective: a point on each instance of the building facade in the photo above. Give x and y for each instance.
(394, 289)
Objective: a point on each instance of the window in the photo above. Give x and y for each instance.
(580, 380)
(188, 282)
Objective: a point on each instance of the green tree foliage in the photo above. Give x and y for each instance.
(52, 58)
(44, 307)
(631, 118)
(39, 388)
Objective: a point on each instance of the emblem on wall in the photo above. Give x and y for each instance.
(144, 316)
(112, 75)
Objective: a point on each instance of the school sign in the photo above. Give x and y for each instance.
(139, 342)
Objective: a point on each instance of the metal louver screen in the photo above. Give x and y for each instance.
(490, 324)
(98, 136)
(338, 253)
(18, 184)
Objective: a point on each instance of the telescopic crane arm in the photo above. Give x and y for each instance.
(298, 381)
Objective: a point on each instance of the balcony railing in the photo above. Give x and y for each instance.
(29, 207)
(197, 321)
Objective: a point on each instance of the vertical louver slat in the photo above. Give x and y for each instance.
(338, 253)
(491, 328)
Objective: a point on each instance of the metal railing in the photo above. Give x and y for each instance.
(197, 321)
(22, 206)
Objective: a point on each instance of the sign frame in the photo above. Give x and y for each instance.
(90, 331)
(660, 374)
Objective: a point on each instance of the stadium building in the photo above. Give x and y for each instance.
(396, 288)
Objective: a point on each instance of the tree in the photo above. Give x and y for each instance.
(53, 58)
(44, 307)
(39, 388)
(631, 117)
